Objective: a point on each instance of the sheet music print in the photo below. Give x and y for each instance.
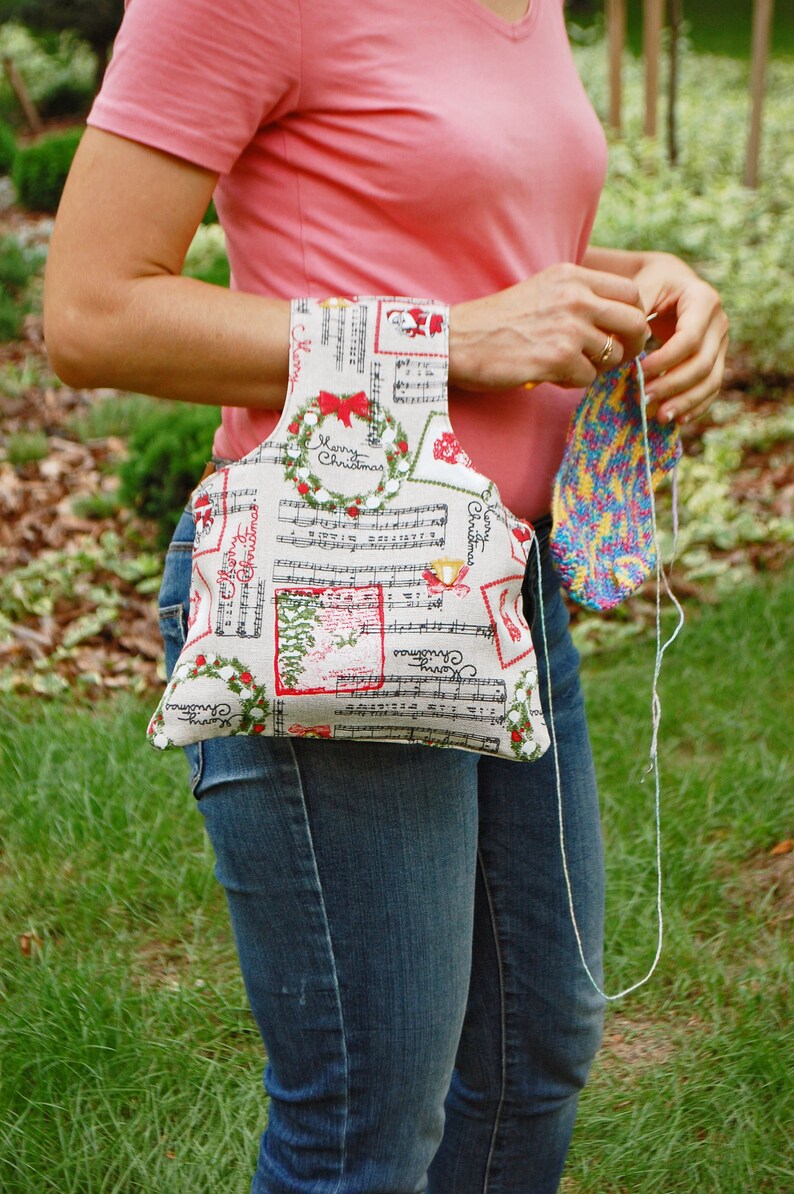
(278, 719)
(228, 589)
(332, 333)
(388, 731)
(403, 584)
(375, 391)
(419, 381)
(344, 331)
(357, 349)
(429, 699)
(416, 629)
(411, 528)
(271, 452)
(242, 613)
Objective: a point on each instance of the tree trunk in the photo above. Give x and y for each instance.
(23, 96)
(616, 36)
(676, 21)
(652, 23)
(762, 25)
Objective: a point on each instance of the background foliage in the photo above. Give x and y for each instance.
(96, 22)
(740, 239)
(713, 26)
(50, 66)
(39, 171)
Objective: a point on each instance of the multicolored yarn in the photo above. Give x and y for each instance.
(603, 537)
(605, 543)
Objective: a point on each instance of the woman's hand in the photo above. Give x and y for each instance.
(555, 326)
(684, 375)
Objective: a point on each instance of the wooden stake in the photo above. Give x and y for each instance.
(22, 94)
(762, 27)
(653, 20)
(616, 37)
(676, 21)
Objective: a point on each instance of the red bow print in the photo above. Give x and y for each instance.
(437, 588)
(310, 731)
(354, 404)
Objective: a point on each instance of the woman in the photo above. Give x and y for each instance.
(399, 912)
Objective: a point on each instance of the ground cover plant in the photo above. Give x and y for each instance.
(129, 1059)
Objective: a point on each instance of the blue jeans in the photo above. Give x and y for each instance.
(403, 931)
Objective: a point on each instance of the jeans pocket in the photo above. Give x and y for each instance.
(174, 603)
(538, 551)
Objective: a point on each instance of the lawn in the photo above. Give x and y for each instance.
(129, 1060)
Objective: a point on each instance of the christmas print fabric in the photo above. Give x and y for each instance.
(354, 576)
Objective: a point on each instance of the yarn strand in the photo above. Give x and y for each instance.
(656, 716)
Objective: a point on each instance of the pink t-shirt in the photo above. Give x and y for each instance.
(435, 152)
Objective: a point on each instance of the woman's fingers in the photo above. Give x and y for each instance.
(697, 314)
(688, 391)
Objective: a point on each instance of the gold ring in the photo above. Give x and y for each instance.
(606, 351)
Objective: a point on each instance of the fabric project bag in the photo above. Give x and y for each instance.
(355, 577)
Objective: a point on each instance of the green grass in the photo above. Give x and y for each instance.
(128, 1058)
(125, 1036)
(25, 447)
(709, 1103)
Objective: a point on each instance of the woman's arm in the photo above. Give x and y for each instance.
(116, 310)
(118, 313)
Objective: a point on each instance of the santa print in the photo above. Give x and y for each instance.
(447, 449)
(344, 407)
(415, 321)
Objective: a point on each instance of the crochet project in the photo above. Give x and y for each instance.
(603, 537)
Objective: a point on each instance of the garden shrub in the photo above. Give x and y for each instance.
(40, 171)
(167, 452)
(44, 62)
(8, 147)
(67, 97)
(18, 265)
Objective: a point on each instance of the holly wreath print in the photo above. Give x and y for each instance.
(253, 707)
(345, 407)
(519, 719)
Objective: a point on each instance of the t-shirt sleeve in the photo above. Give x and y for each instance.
(198, 79)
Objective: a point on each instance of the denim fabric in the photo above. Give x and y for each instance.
(403, 931)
